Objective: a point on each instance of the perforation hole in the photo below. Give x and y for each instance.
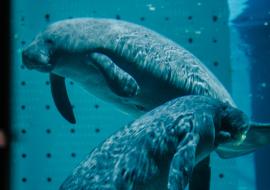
(47, 17)
(48, 155)
(72, 131)
(221, 175)
(73, 155)
(118, 17)
(215, 18)
(23, 83)
(215, 63)
(49, 179)
(24, 179)
(23, 131)
(48, 131)
(97, 130)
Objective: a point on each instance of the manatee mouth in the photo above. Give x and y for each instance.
(240, 136)
(40, 62)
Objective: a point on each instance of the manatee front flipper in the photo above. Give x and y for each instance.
(257, 136)
(120, 82)
(201, 176)
(60, 97)
(182, 163)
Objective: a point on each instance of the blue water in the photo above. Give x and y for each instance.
(255, 31)
(46, 148)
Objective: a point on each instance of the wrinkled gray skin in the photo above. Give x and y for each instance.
(161, 147)
(122, 63)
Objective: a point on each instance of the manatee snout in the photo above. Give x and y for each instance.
(35, 56)
(236, 123)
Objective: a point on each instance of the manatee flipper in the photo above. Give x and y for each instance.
(119, 81)
(257, 136)
(136, 166)
(60, 97)
(201, 175)
(183, 162)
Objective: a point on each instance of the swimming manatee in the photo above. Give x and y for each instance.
(159, 150)
(122, 63)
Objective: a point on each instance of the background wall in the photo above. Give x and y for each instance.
(45, 147)
(253, 26)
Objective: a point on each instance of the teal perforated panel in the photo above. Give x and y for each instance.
(46, 148)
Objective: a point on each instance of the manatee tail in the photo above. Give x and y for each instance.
(257, 136)
(60, 97)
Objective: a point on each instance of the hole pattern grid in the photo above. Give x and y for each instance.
(45, 147)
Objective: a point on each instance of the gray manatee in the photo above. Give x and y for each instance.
(127, 65)
(122, 63)
(159, 150)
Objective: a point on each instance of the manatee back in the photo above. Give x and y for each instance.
(143, 53)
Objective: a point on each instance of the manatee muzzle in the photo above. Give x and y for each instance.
(38, 60)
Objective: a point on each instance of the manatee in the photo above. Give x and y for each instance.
(160, 149)
(122, 63)
(129, 66)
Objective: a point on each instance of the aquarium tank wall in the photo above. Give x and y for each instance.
(232, 38)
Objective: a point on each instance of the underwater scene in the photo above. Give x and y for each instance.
(140, 95)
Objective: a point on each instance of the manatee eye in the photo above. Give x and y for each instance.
(49, 41)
